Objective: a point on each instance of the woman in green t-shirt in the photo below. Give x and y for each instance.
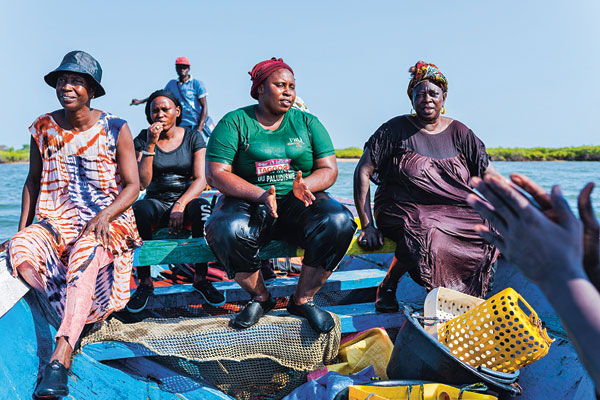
(273, 164)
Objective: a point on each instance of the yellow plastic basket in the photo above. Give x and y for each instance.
(497, 334)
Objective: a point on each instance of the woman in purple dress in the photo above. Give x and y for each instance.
(422, 164)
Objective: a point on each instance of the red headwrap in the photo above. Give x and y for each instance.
(262, 71)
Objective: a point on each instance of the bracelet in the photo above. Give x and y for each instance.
(147, 153)
(179, 202)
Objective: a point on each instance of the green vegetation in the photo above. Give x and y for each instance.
(349, 152)
(10, 155)
(580, 153)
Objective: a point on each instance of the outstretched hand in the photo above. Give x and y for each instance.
(135, 102)
(542, 248)
(301, 190)
(591, 230)
(269, 199)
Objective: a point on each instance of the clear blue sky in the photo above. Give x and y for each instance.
(521, 73)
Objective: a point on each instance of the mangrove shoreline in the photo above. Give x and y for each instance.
(578, 153)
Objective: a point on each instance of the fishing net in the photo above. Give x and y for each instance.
(265, 361)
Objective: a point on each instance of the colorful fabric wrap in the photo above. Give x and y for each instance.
(263, 70)
(423, 71)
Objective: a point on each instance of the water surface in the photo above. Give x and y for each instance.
(572, 176)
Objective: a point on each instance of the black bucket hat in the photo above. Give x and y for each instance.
(81, 62)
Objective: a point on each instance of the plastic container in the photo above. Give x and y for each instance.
(418, 356)
(442, 304)
(497, 334)
(424, 391)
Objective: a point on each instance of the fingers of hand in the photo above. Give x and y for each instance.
(536, 191)
(490, 236)
(586, 211)
(272, 205)
(106, 237)
(563, 211)
(370, 241)
(308, 197)
(487, 211)
(507, 201)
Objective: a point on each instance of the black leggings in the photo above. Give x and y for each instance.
(237, 229)
(152, 214)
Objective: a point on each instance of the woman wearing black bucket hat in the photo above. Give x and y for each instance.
(171, 169)
(82, 181)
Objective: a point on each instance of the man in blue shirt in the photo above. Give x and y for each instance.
(192, 95)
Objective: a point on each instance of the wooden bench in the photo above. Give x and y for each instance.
(353, 317)
(182, 251)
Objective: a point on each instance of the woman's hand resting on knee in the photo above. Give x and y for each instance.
(100, 227)
(176, 218)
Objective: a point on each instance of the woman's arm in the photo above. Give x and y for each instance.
(220, 176)
(192, 192)
(31, 189)
(145, 161)
(126, 162)
(198, 180)
(324, 174)
(370, 237)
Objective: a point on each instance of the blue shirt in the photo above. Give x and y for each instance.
(189, 94)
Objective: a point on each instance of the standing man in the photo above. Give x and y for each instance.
(192, 95)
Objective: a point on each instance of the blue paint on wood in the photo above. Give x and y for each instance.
(182, 295)
(28, 339)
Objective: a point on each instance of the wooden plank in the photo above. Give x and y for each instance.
(183, 295)
(12, 289)
(360, 317)
(181, 251)
(353, 318)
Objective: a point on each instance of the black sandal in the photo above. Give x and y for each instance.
(386, 300)
(320, 320)
(54, 383)
(252, 312)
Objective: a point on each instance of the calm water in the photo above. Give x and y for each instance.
(572, 176)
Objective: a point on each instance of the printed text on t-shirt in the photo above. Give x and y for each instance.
(264, 167)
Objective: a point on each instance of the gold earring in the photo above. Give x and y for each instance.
(443, 109)
(412, 112)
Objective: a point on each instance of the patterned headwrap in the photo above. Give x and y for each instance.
(263, 70)
(423, 71)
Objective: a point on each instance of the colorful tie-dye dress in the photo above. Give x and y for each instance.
(79, 178)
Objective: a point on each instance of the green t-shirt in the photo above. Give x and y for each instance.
(264, 157)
